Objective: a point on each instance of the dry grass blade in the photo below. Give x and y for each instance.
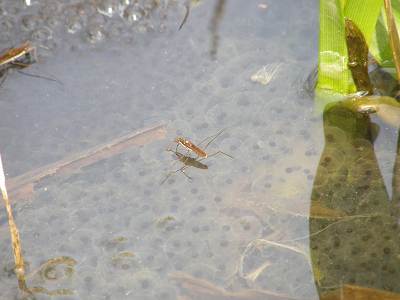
(16, 243)
(393, 36)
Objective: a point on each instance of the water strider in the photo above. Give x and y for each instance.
(189, 146)
(189, 161)
(196, 149)
(19, 58)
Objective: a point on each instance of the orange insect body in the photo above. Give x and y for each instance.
(190, 146)
(14, 54)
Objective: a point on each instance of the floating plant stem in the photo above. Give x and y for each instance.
(16, 243)
(393, 36)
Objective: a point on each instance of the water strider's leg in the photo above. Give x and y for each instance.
(19, 64)
(184, 173)
(221, 152)
(174, 172)
(41, 77)
(3, 76)
(213, 137)
(175, 160)
(180, 157)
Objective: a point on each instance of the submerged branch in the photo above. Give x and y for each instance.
(199, 289)
(23, 185)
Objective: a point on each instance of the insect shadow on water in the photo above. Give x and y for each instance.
(189, 161)
(19, 58)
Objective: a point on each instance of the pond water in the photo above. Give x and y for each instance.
(300, 209)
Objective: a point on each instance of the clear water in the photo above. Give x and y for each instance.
(244, 223)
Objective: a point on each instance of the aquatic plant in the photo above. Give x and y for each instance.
(376, 20)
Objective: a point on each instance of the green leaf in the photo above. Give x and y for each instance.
(333, 73)
(380, 46)
(365, 14)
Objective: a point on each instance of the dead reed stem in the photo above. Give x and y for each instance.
(393, 36)
(16, 243)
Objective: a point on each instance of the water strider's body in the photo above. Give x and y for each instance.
(21, 56)
(190, 146)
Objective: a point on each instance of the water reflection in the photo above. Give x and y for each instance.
(219, 11)
(358, 242)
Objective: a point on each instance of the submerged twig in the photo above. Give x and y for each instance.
(196, 289)
(16, 243)
(187, 11)
(256, 244)
(393, 36)
(23, 185)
